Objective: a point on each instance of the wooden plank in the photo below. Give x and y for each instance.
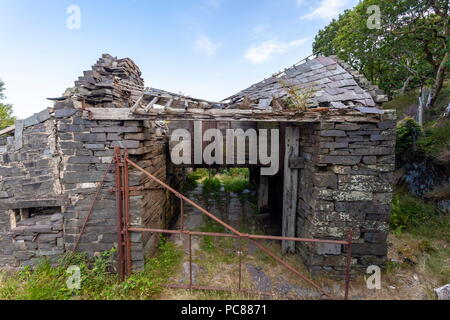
(7, 130)
(151, 104)
(169, 103)
(137, 104)
(176, 114)
(290, 188)
(296, 163)
(263, 194)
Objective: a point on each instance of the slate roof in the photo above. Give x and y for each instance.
(335, 85)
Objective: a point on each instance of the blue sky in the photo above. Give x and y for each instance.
(204, 48)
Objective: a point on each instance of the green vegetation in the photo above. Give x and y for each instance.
(211, 185)
(408, 133)
(236, 185)
(435, 142)
(431, 143)
(410, 212)
(6, 117)
(47, 282)
(233, 180)
(208, 243)
(298, 97)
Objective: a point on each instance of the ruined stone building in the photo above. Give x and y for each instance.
(336, 162)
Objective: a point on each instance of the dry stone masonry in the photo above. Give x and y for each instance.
(52, 163)
(348, 181)
(57, 159)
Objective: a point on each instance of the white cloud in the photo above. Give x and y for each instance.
(264, 51)
(213, 3)
(327, 9)
(206, 46)
(300, 2)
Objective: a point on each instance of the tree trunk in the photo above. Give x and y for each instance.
(439, 81)
(405, 85)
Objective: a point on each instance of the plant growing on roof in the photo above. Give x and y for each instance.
(297, 96)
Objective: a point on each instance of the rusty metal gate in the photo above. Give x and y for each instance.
(124, 230)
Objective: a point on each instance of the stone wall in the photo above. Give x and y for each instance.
(28, 175)
(37, 237)
(57, 159)
(346, 184)
(6, 244)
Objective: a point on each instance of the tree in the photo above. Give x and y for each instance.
(6, 117)
(409, 49)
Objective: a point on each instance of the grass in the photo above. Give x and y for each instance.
(236, 185)
(234, 180)
(211, 185)
(409, 212)
(47, 282)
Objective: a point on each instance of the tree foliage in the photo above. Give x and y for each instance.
(410, 48)
(6, 117)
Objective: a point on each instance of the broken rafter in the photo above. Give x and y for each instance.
(151, 104)
(169, 103)
(137, 104)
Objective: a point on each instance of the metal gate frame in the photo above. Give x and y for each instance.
(124, 230)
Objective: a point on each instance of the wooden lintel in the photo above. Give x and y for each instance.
(180, 114)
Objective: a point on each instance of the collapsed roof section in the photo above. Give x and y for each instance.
(332, 82)
(321, 82)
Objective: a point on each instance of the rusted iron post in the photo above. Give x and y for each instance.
(119, 205)
(181, 214)
(349, 262)
(126, 195)
(190, 261)
(240, 262)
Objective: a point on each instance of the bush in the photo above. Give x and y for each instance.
(211, 185)
(409, 211)
(435, 142)
(408, 134)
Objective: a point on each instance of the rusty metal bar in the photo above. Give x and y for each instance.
(349, 263)
(270, 253)
(181, 214)
(99, 187)
(126, 195)
(190, 260)
(119, 205)
(194, 233)
(249, 236)
(259, 237)
(240, 262)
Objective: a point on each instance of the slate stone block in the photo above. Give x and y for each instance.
(328, 248)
